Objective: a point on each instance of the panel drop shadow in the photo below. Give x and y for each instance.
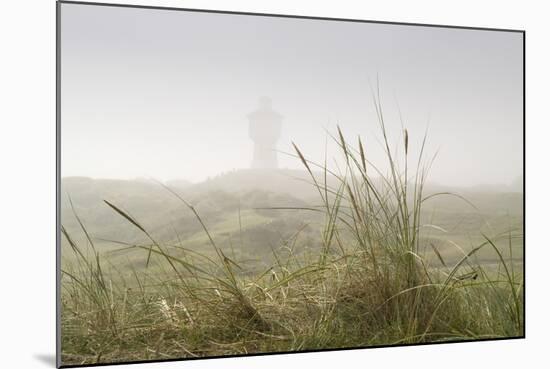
(48, 359)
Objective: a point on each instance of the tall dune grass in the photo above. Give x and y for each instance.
(370, 282)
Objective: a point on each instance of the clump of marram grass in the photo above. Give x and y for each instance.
(369, 283)
(388, 287)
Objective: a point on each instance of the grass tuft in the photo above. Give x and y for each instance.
(368, 283)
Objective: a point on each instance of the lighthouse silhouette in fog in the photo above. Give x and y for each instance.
(264, 129)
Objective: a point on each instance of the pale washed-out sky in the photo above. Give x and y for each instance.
(165, 94)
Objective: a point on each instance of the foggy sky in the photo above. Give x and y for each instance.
(166, 93)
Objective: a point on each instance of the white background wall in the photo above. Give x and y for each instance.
(27, 186)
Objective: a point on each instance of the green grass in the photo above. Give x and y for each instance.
(374, 277)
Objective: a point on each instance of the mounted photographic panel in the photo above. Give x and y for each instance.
(234, 184)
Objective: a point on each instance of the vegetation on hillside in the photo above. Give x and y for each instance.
(372, 276)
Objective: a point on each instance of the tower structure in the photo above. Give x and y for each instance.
(264, 129)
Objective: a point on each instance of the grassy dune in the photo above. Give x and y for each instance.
(376, 276)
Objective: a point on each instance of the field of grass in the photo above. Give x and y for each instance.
(366, 265)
